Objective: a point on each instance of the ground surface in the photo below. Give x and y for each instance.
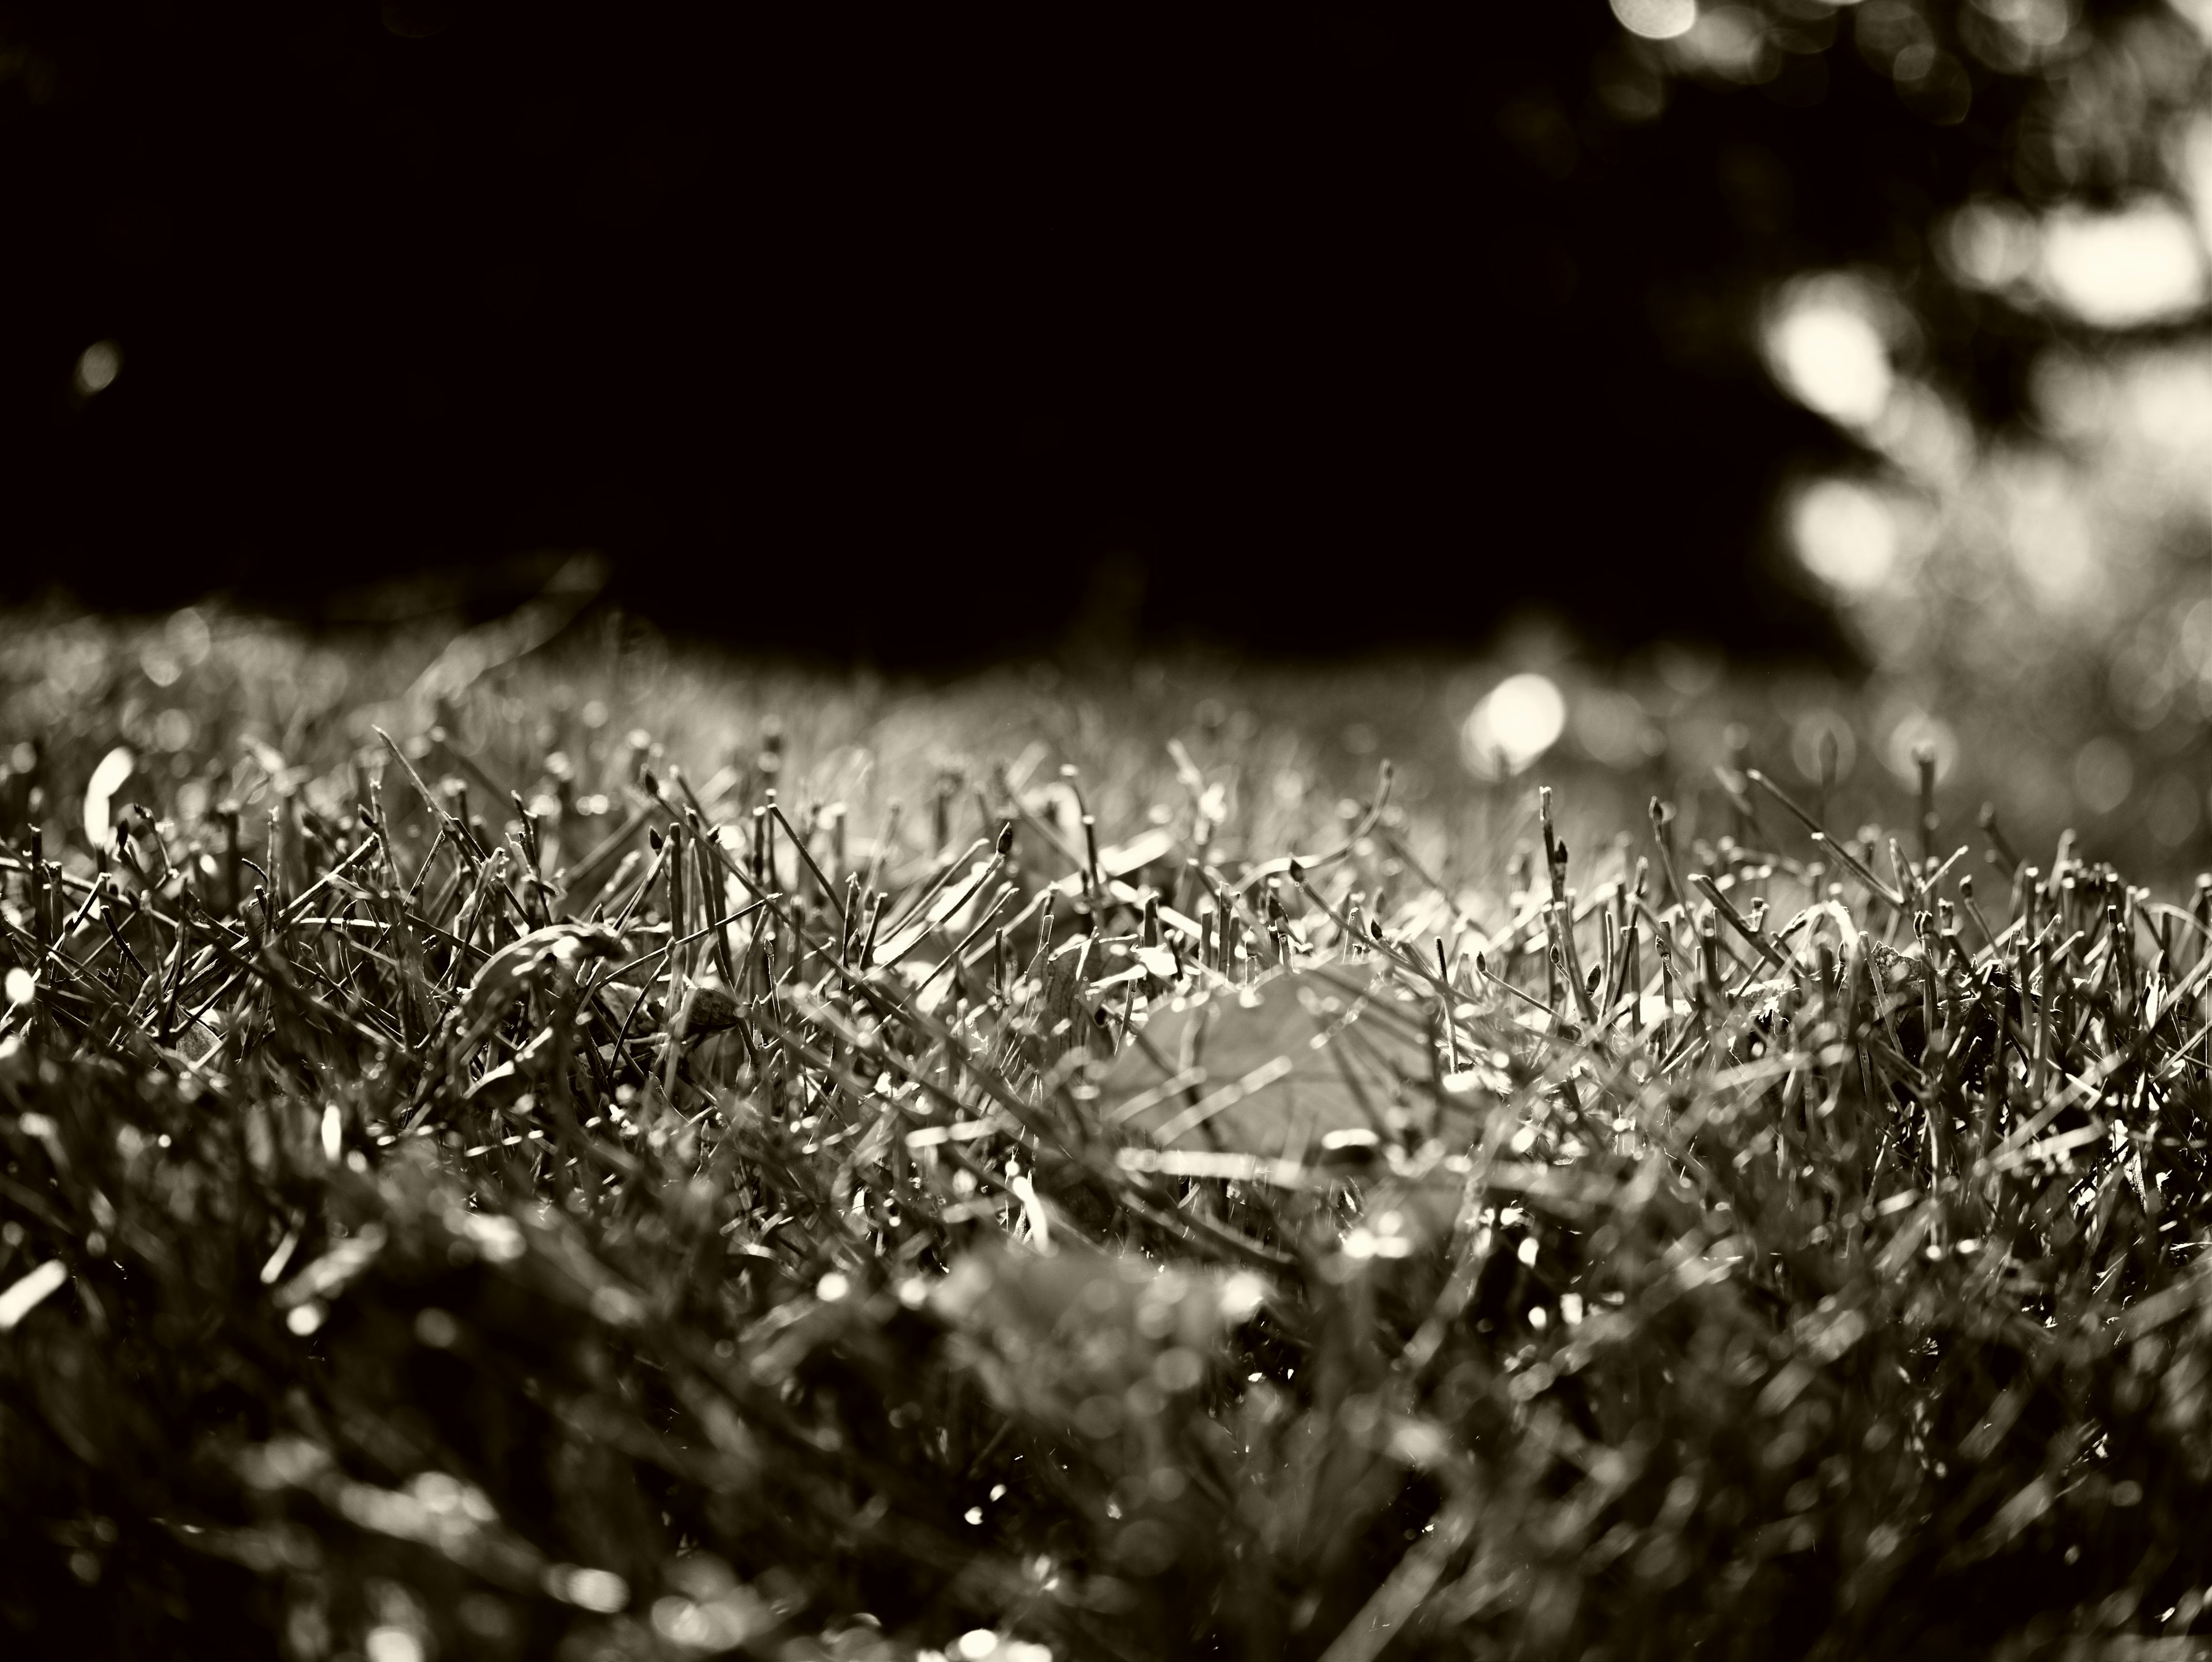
(511, 1148)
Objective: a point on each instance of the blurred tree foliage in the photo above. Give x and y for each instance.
(927, 332)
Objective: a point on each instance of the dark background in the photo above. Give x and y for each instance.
(938, 331)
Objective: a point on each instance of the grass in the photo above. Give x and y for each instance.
(494, 1192)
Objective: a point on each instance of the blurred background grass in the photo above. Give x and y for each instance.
(2072, 717)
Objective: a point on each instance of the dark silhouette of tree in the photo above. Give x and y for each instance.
(930, 333)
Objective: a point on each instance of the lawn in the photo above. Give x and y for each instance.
(550, 1144)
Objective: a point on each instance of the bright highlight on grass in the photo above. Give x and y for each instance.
(100, 791)
(1515, 722)
(30, 1293)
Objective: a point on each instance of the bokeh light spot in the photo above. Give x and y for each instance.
(1730, 42)
(598, 1590)
(97, 367)
(1989, 244)
(2119, 271)
(1912, 729)
(1828, 353)
(1657, 19)
(1612, 726)
(1845, 534)
(2103, 776)
(174, 729)
(1515, 722)
(1823, 745)
(389, 1644)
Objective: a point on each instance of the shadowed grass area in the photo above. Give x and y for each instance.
(494, 1190)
